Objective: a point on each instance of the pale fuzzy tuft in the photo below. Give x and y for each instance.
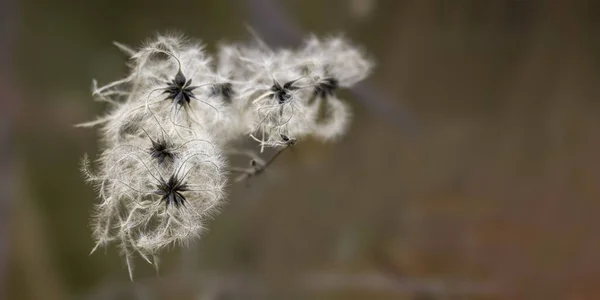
(133, 213)
(161, 173)
(338, 58)
(333, 118)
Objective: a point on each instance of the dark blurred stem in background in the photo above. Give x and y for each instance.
(8, 24)
(273, 24)
(278, 29)
(241, 286)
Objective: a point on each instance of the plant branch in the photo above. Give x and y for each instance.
(247, 153)
(257, 166)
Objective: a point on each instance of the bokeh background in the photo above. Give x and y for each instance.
(471, 169)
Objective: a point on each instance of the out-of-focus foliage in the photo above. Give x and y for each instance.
(494, 197)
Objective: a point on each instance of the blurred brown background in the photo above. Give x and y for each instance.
(478, 179)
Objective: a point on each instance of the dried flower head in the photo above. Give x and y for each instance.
(162, 173)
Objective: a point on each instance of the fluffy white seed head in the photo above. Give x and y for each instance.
(156, 190)
(161, 173)
(338, 59)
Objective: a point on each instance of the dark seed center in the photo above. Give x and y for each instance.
(171, 191)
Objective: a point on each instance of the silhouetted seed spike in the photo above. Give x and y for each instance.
(290, 85)
(183, 187)
(171, 199)
(178, 97)
(160, 151)
(180, 89)
(179, 199)
(171, 191)
(276, 87)
(326, 88)
(281, 93)
(179, 79)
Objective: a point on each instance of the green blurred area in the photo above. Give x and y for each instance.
(492, 195)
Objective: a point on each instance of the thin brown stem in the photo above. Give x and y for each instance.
(247, 153)
(258, 166)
